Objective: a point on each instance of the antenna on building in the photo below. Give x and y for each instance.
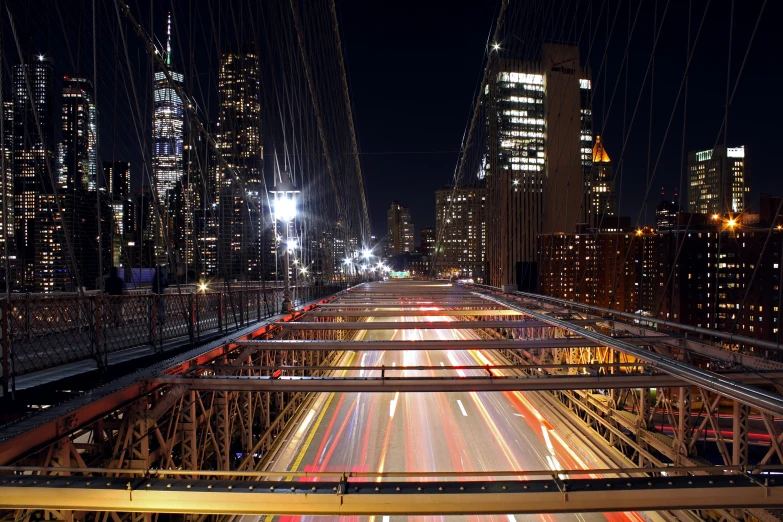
(168, 41)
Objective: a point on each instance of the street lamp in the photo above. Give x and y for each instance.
(284, 201)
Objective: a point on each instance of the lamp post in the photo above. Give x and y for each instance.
(284, 201)
(367, 255)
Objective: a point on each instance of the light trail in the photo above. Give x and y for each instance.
(425, 432)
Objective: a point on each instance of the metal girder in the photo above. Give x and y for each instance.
(546, 382)
(757, 398)
(419, 325)
(699, 346)
(47, 426)
(477, 305)
(411, 313)
(153, 495)
(477, 344)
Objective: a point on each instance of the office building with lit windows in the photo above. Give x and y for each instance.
(600, 186)
(427, 239)
(7, 236)
(718, 180)
(117, 175)
(724, 273)
(667, 212)
(79, 135)
(33, 167)
(539, 152)
(168, 121)
(460, 222)
(240, 184)
(615, 270)
(399, 235)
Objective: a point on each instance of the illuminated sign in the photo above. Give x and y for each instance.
(400, 275)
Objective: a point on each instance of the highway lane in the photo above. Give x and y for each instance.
(430, 431)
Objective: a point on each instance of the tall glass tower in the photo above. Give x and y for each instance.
(33, 149)
(168, 121)
(80, 135)
(539, 153)
(241, 192)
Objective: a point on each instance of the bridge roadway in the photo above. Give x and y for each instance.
(440, 431)
(378, 434)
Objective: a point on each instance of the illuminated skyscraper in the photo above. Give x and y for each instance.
(399, 238)
(33, 150)
(168, 122)
(600, 185)
(718, 180)
(7, 242)
(117, 175)
(240, 184)
(539, 135)
(460, 221)
(80, 135)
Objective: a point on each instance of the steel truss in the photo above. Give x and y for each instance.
(627, 388)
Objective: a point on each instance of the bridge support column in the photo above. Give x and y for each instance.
(222, 429)
(739, 451)
(187, 427)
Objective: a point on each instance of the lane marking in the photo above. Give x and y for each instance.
(310, 437)
(386, 518)
(519, 415)
(461, 407)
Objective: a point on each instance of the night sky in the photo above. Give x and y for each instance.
(413, 70)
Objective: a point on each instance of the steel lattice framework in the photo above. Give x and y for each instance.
(195, 434)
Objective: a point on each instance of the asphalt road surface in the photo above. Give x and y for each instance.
(429, 431)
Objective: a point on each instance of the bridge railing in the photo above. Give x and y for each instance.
(723, 340)
(40, 333)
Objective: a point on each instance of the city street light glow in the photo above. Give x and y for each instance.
(285, 209)
(495, 46)
(202, 287)
(367, 253)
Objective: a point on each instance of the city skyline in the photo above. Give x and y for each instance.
(436, 149)
(545, 236)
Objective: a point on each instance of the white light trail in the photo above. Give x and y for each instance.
(393, 404)
(461, 407)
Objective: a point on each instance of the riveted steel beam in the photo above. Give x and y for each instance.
(385, 384)
(420, 325)
(387, 498)
(476, 344)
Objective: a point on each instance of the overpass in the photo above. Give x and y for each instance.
(405, 398)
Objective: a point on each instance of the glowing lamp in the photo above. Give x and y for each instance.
(284, 201)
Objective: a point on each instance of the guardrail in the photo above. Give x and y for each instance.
(40, 333)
